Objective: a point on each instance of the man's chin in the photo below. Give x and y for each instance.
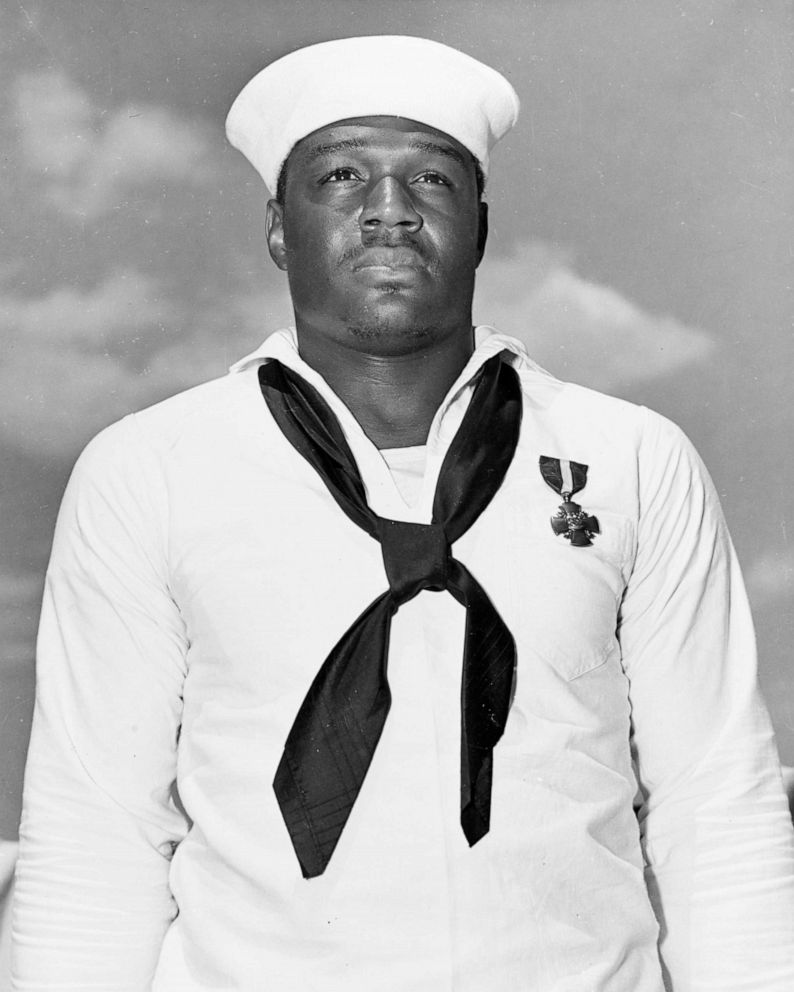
(399, 323)
(392, 336)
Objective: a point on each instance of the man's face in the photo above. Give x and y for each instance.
(380, 234)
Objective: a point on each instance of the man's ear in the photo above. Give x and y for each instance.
(274, 231)
(482, 231)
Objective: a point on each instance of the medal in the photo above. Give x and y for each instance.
(570, 521)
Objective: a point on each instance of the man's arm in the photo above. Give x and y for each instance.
(98, 825)
(715, 823)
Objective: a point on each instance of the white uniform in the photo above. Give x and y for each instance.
(200, 574)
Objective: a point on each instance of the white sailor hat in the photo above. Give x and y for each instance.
(378, 75)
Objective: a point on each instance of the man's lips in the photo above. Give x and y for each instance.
(388, 258)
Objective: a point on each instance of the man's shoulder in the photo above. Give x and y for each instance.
(565, 402)
(189, 410)
(594, 419)
(200, 416)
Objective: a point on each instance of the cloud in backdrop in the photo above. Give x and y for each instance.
(770, 577)
(583, 331)
(89, 159)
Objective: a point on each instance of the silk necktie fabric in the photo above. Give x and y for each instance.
(333, 738)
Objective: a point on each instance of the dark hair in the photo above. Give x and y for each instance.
(281, 184)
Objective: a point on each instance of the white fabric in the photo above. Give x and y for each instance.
(407, 467)
(8, 853)
(200, 574)
(392, 75)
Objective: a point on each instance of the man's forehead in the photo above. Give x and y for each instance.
(362, 132)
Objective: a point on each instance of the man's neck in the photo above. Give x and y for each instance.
(393, 397)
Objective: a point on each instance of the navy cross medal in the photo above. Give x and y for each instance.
(570, 521)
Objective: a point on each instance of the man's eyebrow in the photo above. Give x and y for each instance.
(333, 147)
(434, 148)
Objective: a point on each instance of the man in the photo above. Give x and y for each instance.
(434, 723)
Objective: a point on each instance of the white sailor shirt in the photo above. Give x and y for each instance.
(201, 572)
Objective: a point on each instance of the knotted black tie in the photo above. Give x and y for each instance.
(334, 736)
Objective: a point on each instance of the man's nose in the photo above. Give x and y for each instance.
(389, 204)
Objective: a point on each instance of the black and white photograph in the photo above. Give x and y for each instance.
(397, 496)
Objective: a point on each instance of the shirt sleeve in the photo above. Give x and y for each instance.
(99, 824)
(714, 821)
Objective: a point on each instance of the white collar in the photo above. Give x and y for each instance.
(283, 345)
(382, 495)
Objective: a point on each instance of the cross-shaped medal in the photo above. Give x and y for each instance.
(570, 521)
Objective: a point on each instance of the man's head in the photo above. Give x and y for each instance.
(380, 233)
(377, 149)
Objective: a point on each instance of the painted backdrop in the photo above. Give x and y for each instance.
(642, 241)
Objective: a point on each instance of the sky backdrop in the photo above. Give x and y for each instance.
(641, 217)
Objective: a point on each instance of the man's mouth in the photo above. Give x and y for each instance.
(382, 257)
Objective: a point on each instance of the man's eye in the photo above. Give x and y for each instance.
(341, 176)
(434, 178)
